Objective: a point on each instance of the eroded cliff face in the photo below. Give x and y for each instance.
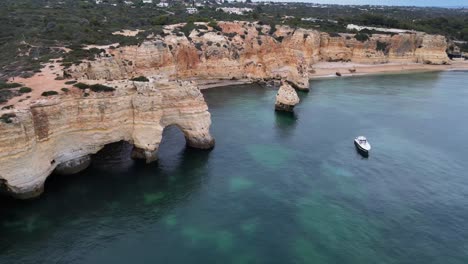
(242, 50)
(62, 132)
(401, 48)
(59, 133)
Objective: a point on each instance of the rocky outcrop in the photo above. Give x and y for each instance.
(240, 50)
(286, 98)
(60, 133)
(252, 51)
(379, 48)
(432, 50)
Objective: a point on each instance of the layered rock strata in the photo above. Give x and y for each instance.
(61, 132)
(286, 98)
(255, 52)
(379, 48)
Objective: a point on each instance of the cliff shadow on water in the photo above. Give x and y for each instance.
(113, 186)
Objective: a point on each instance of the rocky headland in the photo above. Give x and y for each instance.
(40, 134)
(61, 132)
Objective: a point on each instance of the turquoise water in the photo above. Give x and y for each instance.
(277, 188)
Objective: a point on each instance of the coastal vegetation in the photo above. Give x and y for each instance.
(35, 31)
(140, 79)
(7, 118)
(10, 90)
(101, 88)
(25, 90)
(363, 37)
(4, 85)
(49, 93)
(94, 87)
(81, 85)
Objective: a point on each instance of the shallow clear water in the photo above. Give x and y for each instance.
(277, 188)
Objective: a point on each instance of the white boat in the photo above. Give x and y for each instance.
(362, 145)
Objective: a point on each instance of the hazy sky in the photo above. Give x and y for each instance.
(444, 3)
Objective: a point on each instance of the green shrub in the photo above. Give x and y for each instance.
(160, 20)
(24, 90)
(70, 82)
(7, 118)
(279, 39)
(187, 28)
(77, 55)
(65, 90)
(4, 85)
(81, 86)
(140, 79)
(362, 37)
(6, 95)
(199, 46)
(101, 88)
(7, 107)
(215, 26)
(272, 29)
(382, 46)
(49, 93)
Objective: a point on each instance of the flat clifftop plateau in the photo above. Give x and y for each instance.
(60, 133)
(253, 51)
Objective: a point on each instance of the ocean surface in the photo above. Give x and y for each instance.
(277, 188)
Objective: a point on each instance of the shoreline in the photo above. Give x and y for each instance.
(322, 70)
(329, 69)
(325, 70)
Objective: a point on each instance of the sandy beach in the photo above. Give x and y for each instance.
(329, 69)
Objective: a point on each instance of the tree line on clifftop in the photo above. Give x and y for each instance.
(33, 31)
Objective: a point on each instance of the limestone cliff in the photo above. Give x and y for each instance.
(251, 51)
(240, 50)
(379, 48)
(63, 131)
(59, 133)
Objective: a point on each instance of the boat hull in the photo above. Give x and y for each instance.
(364, 152)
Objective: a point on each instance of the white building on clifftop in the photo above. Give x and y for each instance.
(191, 10)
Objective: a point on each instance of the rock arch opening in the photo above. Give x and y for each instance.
(180, 134)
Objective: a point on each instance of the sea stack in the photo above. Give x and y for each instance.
(286, 98)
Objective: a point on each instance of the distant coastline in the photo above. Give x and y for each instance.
(325, 70)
